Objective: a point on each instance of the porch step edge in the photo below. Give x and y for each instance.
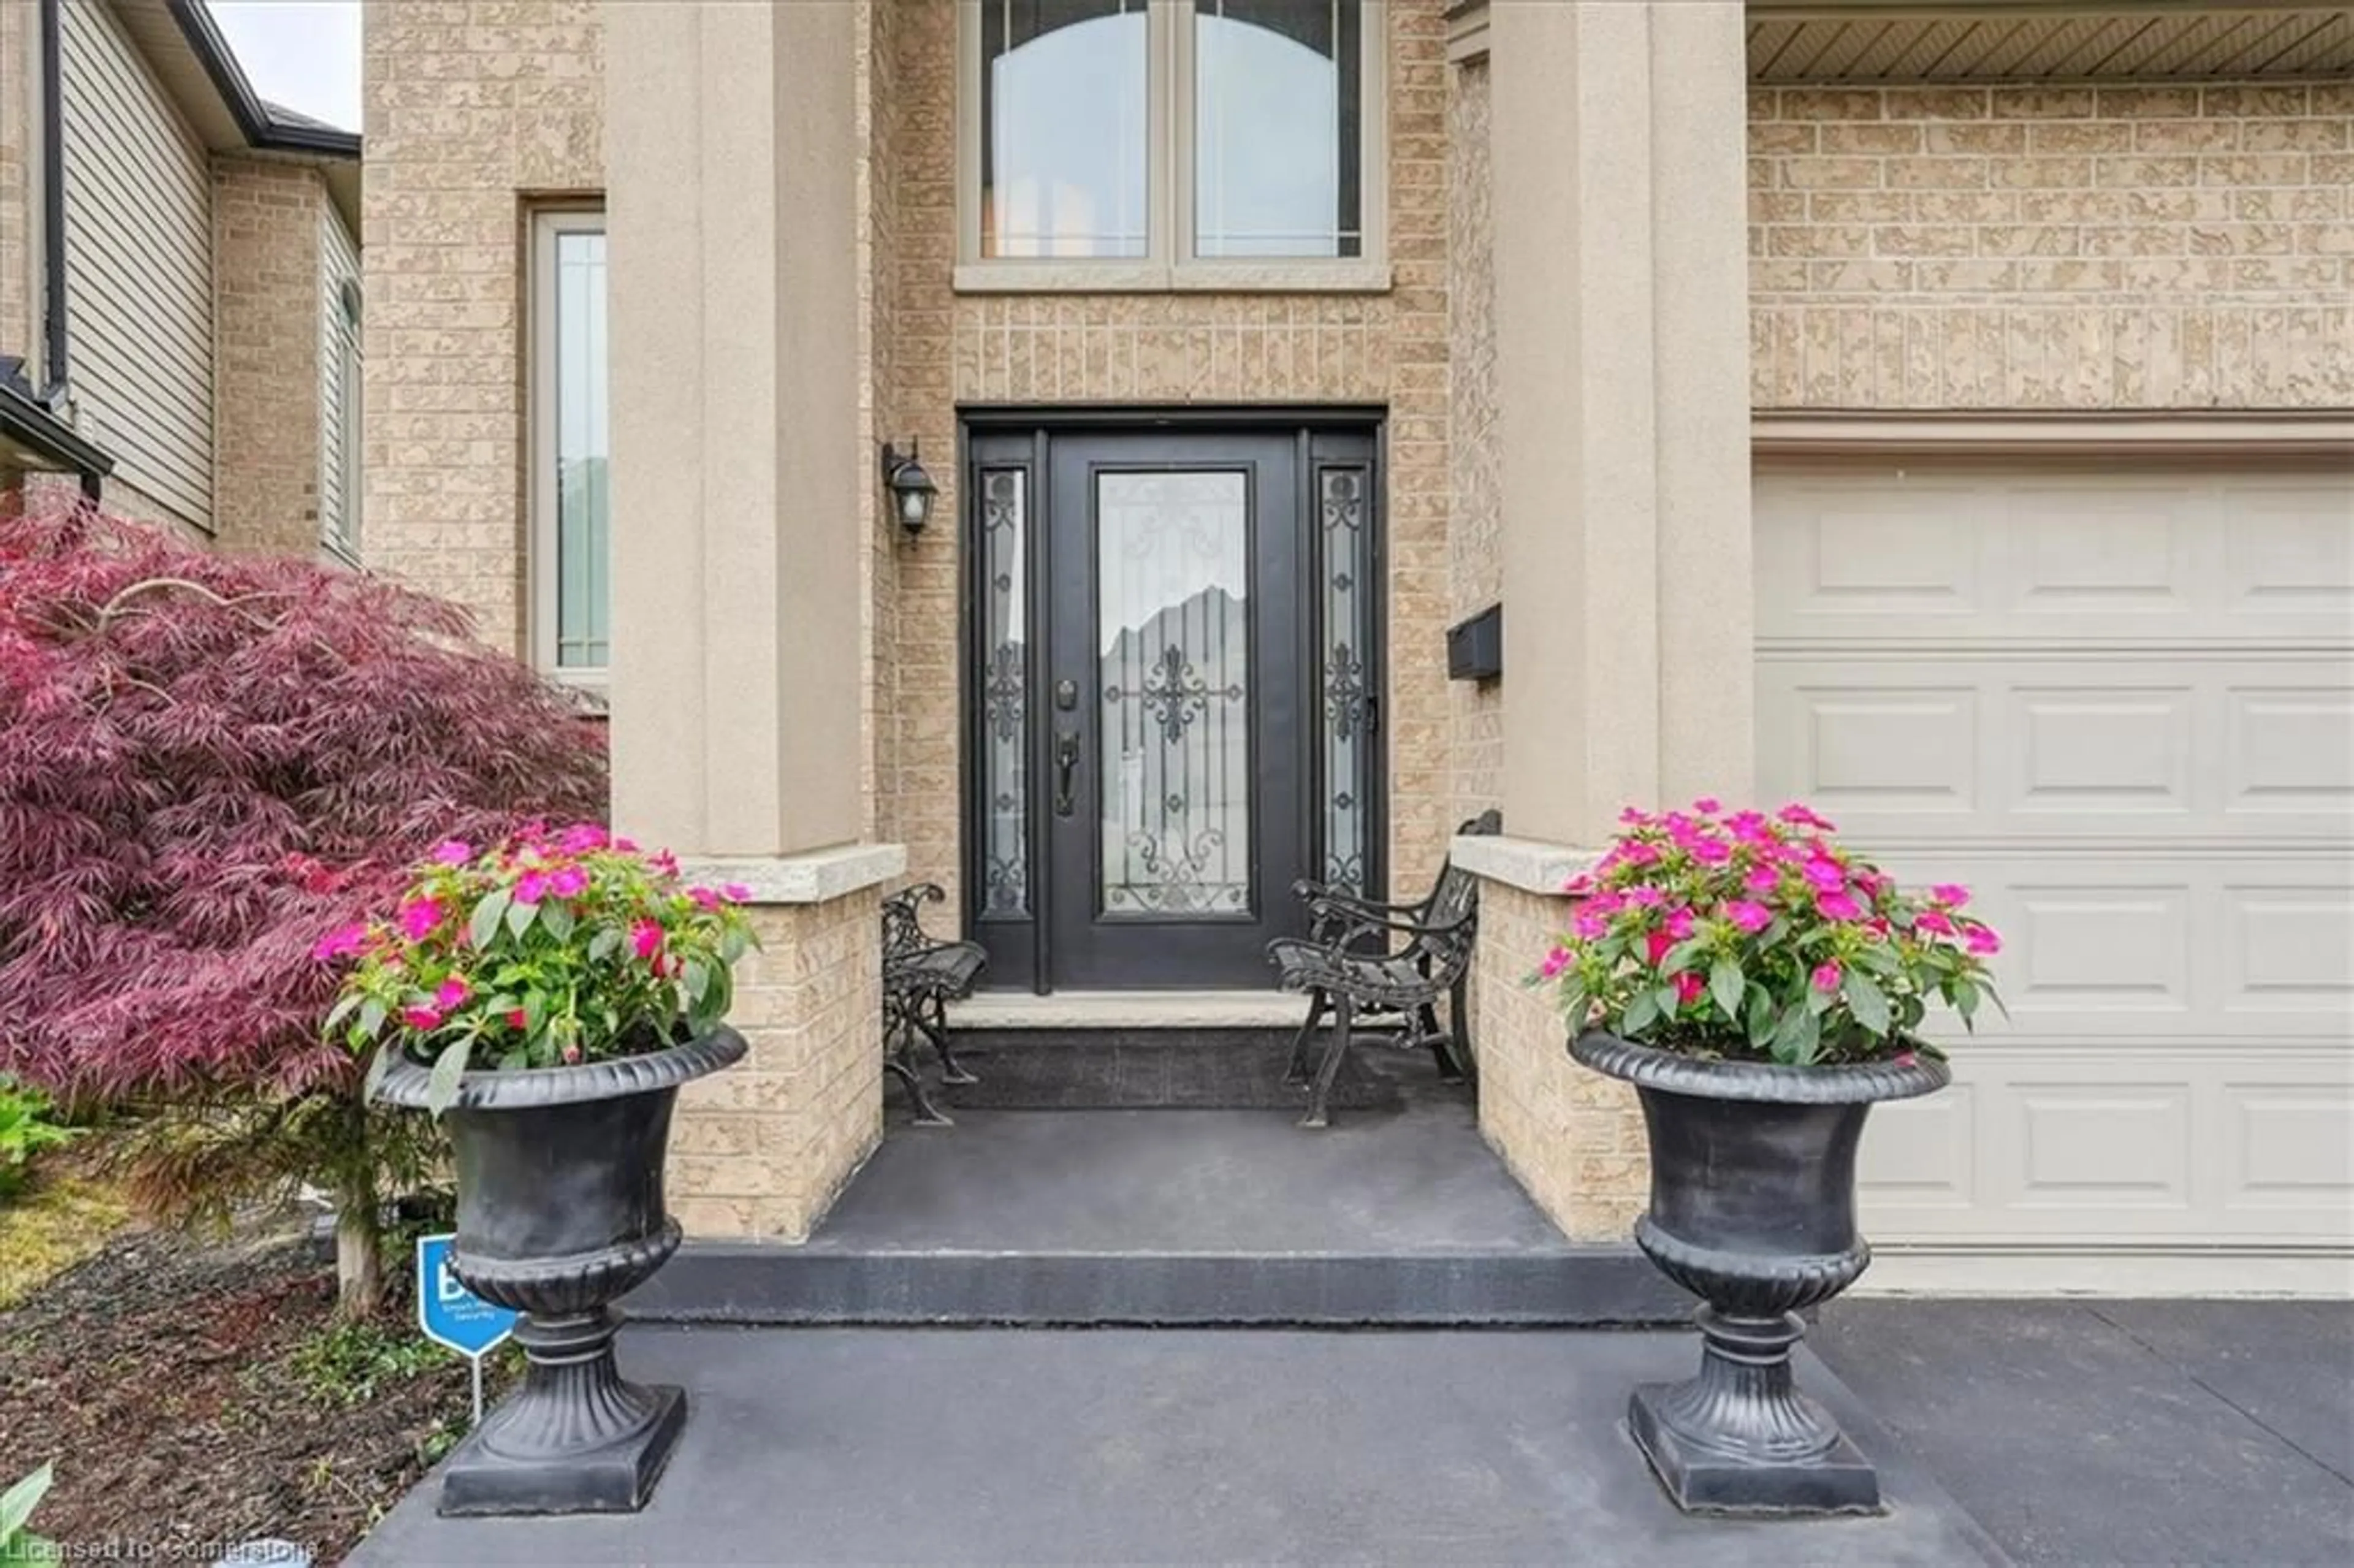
(1129, 1010)
(762, 1284)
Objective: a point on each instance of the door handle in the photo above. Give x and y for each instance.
(1066, 764)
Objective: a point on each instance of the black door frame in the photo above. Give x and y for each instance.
(991, 436)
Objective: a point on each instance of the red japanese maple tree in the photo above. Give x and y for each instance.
(206, 762)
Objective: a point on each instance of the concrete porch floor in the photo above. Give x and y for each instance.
(1121, 1445)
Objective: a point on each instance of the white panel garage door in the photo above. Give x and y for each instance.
(2118, 700)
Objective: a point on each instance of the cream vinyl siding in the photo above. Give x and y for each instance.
(139, 293)
(339, 264)
(2116, 698)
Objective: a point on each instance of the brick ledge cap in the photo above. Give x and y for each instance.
(814, 876)
(1533, 865)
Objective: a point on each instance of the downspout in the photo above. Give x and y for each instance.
(54, 355)
(53, 199)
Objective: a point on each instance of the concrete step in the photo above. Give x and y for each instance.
(1393, 1217)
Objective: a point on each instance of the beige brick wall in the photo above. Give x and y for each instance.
(1573, 1136)
(266, 263)
(19, 313)
(473, 111)
(759, 1151)
(1474, 560)
(2052, 248)
(1130, 348)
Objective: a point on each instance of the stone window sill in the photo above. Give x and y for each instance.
(1158, 277)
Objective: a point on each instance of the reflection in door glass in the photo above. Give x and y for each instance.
(1172, 772)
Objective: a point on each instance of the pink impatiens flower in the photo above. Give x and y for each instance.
(452, 851)
(1688, 987)
(704, 898)
(1712, 852)
(531, 887)
(452, 991)
(341, 943)
(1981, 940)
(1708, 805)
(1658, 945)
(1933, 920)
(1827, 875)
(1762, 879)
(1555, 962)
(646, 938)
(1838, 907)
(518, 1019)
(1750, 918)
(424, 1019)
(582, 837)
(1679, 925)
(1580, 885)
(1826, 978)
(1951, 894)
(1645, 898)
(568, 882)
(1590, 925)
(419, 916)
(736, 893)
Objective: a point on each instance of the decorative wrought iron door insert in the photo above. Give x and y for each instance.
(1172, 674)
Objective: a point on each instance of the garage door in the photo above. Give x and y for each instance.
(2118, 700)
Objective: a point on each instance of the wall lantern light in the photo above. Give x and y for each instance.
(911, 487)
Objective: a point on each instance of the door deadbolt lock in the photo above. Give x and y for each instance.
(1067, 694)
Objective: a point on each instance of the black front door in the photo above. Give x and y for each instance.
(1159, 666)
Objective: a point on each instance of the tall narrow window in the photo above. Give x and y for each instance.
(339, 520)
(1344, 550)
(1064, 108)
(1005, 692)
(570, 544)
(1279, 116)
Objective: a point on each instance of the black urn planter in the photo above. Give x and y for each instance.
(1752, 1209)
(560, 1212)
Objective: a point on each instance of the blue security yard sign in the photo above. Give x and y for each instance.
(455, 1316)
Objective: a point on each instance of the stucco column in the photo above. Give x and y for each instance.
(740, 483)
(1619, 130)
(1621, 250)
(732, 152)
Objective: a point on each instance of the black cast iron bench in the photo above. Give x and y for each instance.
(1367, 962)
(920, 978)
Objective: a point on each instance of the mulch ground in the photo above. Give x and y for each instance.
(156, 1375)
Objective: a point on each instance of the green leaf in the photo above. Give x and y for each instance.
(16, 1504)
(341, 1011)
(1762, 1018)
(605, 944)
(441, 1089)
(372, 1016)
(1868, 1003)
(732, 943)
(1966, 1002)
(1726, 984)
(556, 915)
(1640, 1014)
(1680, 957)
(1573, 1006)
(378, 1064)
(1795, 1035)
(520, 916)
(484, 925)
(698, 980)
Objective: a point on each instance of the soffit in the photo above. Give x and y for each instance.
(1823, 41)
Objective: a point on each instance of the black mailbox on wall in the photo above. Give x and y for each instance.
(1475, 647)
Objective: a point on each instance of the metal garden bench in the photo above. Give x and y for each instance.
(1368, 961)
(920, 978)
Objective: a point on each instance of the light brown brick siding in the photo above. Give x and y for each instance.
(2052, 248)
(1573, 1136)
(1171, 349)
(266, 264)
(19, 333)
(759, 1151)
(474, 113)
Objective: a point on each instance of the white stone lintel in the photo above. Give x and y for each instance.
(1533, 865)
(815, 876)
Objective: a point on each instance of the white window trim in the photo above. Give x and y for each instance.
(1168, 264)
(540, 547)
(341, 534)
